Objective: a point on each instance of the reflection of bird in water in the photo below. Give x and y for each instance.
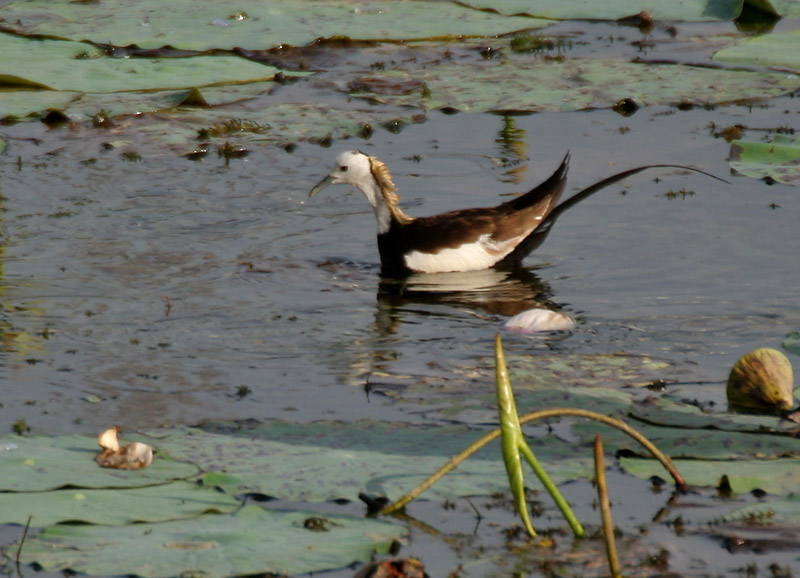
(491, 291)
(464, 240)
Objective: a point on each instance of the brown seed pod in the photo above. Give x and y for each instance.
(762, 380)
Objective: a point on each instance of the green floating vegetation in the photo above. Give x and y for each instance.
(253, 540)
(287, 461)
(35, 464)
(113, 507)
(253, 24)
(777, 160)
(687, 10)
(576, 84)
(775, 476)
(775, 50)
(777, 513)
(79, 67)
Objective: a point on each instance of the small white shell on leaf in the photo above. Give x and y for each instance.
(762, 380)
(138, 453)
(534, 320)
(108, 439)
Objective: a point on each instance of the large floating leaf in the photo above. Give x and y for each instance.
(113, 507)
(45, 463)
(690, 10)
(778, 159)
(697, 443)
(74, 66)
(777, 50)
(329, 460)
(252, 24)
(252, 541)
(665, 412)
(774, 476)
(570, 84)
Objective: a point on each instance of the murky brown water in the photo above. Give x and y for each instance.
(147, 293)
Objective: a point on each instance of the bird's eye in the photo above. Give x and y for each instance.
(343, 169)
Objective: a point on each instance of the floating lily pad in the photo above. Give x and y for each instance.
(778, 160)
(776, 50)
(573, 84)
(700, 443)
(252, 24)
(688, 10)
(74, 66)
(330, 460)
(773, 476)
(46, 463)
(665, 412)
(251, 541)
(116, 507)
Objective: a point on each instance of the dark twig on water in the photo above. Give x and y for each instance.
(21, 543)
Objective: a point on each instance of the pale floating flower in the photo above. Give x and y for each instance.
(108, 440)
(535, 320)
(134, 456)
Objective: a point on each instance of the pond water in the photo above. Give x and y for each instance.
(159, 291)
(146, 293)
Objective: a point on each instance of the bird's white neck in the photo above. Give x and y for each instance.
(383, 213)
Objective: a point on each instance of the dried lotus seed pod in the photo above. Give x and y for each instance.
(762, 380)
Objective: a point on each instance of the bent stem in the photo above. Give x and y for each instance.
(453, 463)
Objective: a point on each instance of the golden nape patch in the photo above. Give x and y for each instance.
(384, 179)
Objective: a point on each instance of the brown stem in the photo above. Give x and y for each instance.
(605, 508)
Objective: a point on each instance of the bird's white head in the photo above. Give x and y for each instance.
(352, 168)
(371, 177)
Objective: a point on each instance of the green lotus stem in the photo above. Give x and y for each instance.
(605, 508)
(531, 417)
(514, 443)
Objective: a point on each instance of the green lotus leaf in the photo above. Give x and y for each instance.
(251, 541)
(173, 501)
(776, 50)
(688, 10)
(252, 24)
(774, 476)
(778, 159)
(31, 464)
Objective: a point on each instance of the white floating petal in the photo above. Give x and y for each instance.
(534, 320)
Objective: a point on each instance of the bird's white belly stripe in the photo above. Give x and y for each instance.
(481, 254)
